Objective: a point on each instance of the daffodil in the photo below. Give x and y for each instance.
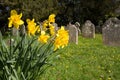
(51, 18)
(43, 37)
(15, 19)
(61, 39)
(38, 29)
(52, 29)
(45, 25)
(32, 28)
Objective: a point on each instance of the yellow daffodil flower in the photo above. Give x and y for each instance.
(61, 39)
(52, 29)
(32, 28)
(38, 29)
(51, 18)
(15, 19)
(45, 24)
(43, 37)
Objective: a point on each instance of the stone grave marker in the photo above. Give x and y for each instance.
(73, 33)
(77, 24)
(88, 29)
(111, 32)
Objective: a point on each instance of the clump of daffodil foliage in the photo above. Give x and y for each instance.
(24, 56)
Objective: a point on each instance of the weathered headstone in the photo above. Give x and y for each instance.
(77, 24)
(88, 29)
(111, 32)
(73, 33)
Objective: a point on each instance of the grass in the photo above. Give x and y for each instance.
(89, 60)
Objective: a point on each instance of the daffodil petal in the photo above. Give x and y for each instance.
(13, 12)
(20, 15)
(42, 32)
(21, 22)
(10, 23)
(27, 20)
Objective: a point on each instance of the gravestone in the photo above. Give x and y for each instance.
(88, 29)
(77, 24)
(73, 33)
(111, 32)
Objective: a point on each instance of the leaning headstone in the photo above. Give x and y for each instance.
(111, 32)
(73, 33)
(88, 29)
(77, 24)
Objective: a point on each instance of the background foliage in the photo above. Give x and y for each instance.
(66, 10)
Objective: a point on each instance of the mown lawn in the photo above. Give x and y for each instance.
(89, 60)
